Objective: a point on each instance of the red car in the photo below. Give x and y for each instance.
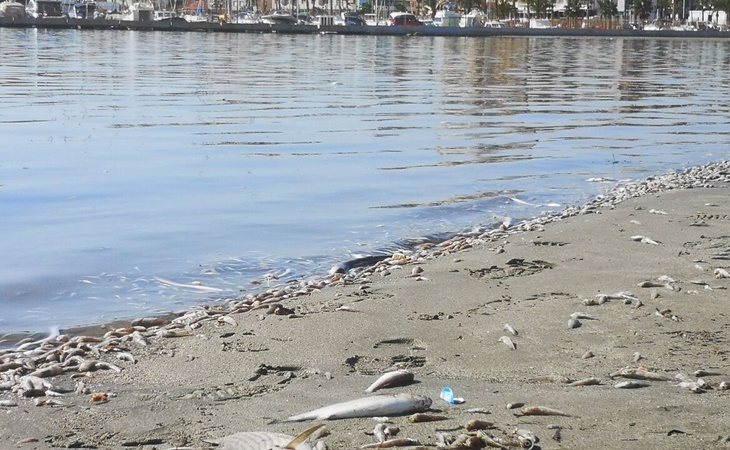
(404, 19)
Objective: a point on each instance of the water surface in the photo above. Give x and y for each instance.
(218, 158)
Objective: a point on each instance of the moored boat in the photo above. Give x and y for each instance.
(446, 16)
(12, 10)
(279, 18)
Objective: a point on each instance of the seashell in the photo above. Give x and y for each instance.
(591, 302)
(658, 211)
(508, 342)
(588, 354)
(99, 397)
(510, 329)
(637, 357)
(724, 386)
(573, 323)
(592, 381)
(721, 273)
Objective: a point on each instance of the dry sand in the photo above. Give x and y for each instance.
(445, 327)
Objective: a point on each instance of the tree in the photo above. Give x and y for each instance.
(663, 8)
(642, 8)
(572, 8)
(541, 8)
(722, 5)
(607, 8)
(503, 9)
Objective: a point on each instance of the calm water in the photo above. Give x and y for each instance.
(219, 158)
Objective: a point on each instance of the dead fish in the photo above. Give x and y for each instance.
(400, 442)
(422, 417)
(50, 371)
(195, 287)
(509, 329)
(582, 315)
(376, 405)
(478, 411)
(666, 313)
(173, 333)
(124, 356)
(631, 385)
(138, 338)
(8, 403)
(476, 424)
(644, 240)
(263, 440)
(705, 373)
(508, 342)
(693, 386)
(191, 317)
(592, 381)
(222, 320)
(391, 379)
(541, 411)
(379, 432)
(651, 284)
(721, 273)
(515, 405)
(639, 374)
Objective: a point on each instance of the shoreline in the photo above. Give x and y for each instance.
(216, 371)
(103, 24)
(354, 268)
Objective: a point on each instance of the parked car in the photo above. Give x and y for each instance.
(404, 19)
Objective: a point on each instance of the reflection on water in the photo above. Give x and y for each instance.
(219, 158)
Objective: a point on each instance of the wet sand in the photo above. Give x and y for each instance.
(444, 324)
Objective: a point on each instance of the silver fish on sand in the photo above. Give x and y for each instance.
(592, 381)
(630, 384)
(391, 379)
(373, 406)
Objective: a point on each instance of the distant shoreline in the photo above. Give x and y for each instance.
(166, 25)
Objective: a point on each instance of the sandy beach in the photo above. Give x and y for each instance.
(439, 312)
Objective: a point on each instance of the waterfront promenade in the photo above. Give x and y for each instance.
(167, 25)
